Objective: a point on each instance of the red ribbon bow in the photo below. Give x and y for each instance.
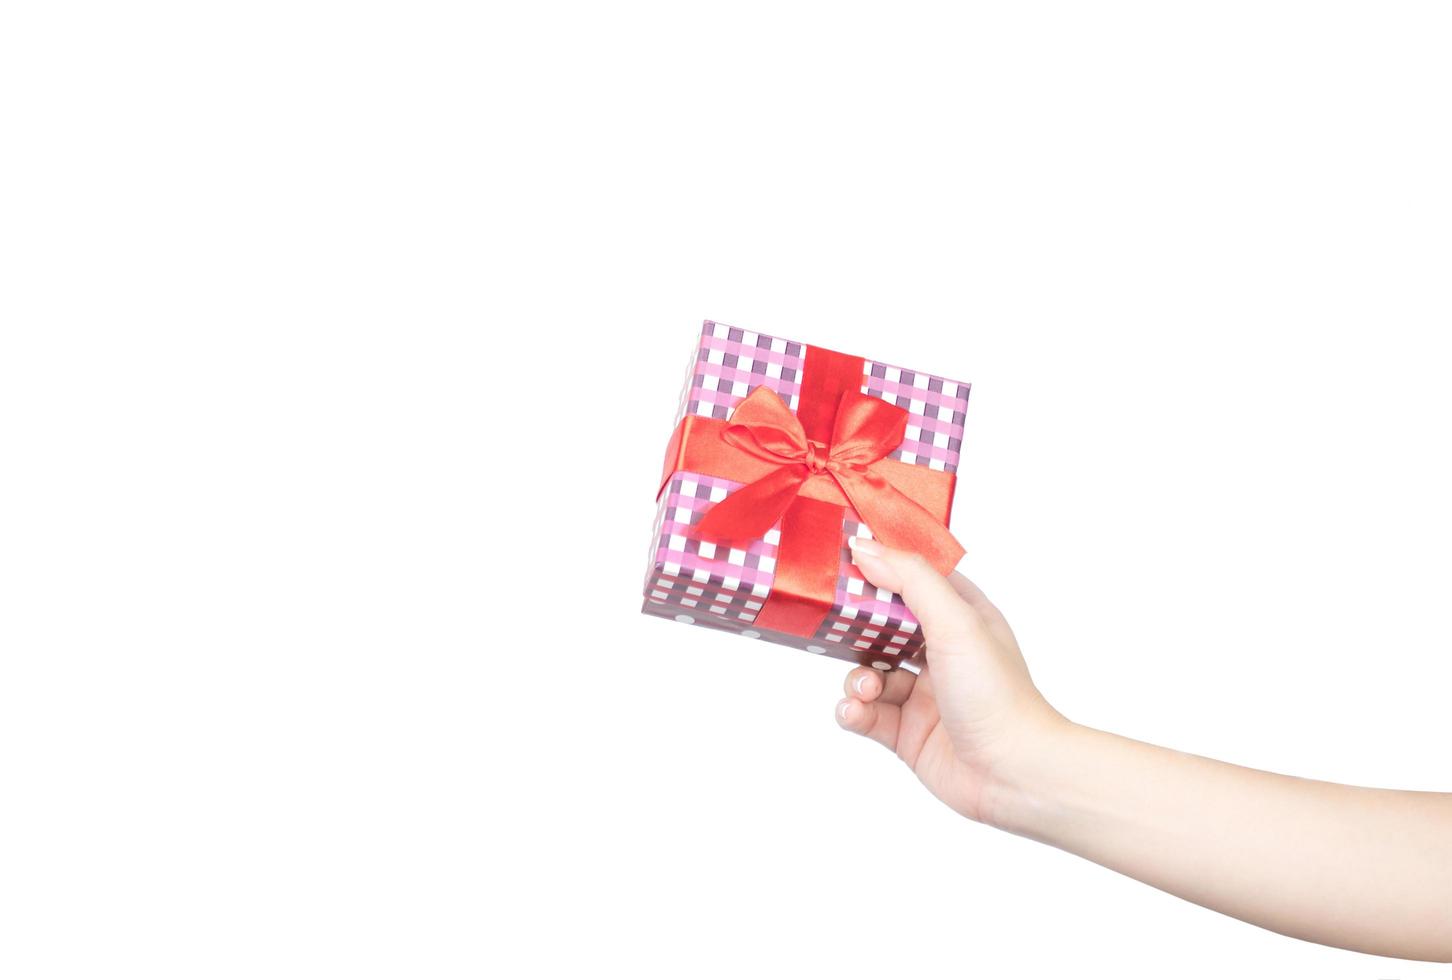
(864, 430)
(800, 470)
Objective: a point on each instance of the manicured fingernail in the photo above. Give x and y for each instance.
(865, 546)
(860, 684)
(842, 710)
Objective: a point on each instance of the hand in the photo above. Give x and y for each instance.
(972, 716)
(1367, 869)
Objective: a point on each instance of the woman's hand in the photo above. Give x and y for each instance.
(972, 717)
(1367, 869)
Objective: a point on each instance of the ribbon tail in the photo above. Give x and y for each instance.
(750, 511)
(808, 561)
(897, 520)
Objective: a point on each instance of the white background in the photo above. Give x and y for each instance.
(340, 347)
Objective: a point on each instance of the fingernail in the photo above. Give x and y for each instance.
(860, 684)
(865, 546)
(842, 710)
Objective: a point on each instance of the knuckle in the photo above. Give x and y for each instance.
(917, 562)
(963, 630)
(972, 618)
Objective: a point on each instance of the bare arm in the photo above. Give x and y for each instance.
(1364, 869)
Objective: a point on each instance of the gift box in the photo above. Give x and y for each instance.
(780, 453)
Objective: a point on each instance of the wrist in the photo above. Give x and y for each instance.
(1019, 796)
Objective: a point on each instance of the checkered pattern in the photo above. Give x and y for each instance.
(738, 579)
(936, 409)
(870, 620)
(731, 361)
(724, 588)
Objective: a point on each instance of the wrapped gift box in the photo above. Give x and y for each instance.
(747, 396)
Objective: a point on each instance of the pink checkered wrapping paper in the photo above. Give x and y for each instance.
(705, 584)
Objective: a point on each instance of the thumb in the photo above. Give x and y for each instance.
(949, 621)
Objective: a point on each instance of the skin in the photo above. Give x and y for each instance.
(1363, 869)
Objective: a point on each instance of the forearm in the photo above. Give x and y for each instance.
(1366, 869)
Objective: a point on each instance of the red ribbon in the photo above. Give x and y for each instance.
(802, 479)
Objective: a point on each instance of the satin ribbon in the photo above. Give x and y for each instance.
(800, 470)
(865, 429)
